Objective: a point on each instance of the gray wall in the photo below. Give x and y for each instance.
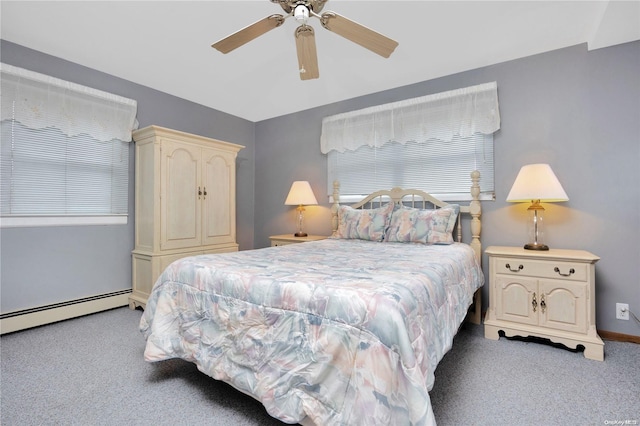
(46, 265)
(577, 110)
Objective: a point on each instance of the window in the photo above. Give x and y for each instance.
(432, 143)
(439, 168)
(64, 156)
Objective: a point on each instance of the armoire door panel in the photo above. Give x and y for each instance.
(218, 213)
(180, 200)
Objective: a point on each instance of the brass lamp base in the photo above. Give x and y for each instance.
(300, 234)
(534, 246)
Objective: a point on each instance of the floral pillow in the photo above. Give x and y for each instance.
(409, 225)
(363, 224)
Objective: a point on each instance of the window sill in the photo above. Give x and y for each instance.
(38, 221)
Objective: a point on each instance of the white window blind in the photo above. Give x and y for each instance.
(64, 152)
(442, 169)
(431, 143)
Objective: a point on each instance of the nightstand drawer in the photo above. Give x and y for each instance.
(542, 269)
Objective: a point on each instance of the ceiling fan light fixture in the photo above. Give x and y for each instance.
(301, 13)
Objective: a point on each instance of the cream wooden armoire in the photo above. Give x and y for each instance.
(185, 202)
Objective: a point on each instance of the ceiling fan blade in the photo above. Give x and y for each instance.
(307, 55)
(247, 34)
(359, 34)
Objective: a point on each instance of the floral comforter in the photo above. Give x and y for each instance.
(338, 332)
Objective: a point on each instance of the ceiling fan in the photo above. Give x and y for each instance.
(305, 36)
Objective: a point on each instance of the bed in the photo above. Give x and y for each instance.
(346, 330)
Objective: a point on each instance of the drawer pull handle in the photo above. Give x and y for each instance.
(571, 271)
(534, 302)
(515, 270)
(543, 305)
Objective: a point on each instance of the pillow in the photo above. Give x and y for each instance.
(363, 224)
(409, 225)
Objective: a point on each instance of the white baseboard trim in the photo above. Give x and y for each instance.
(28, 318)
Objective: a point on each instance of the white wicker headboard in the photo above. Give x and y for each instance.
(421, 199)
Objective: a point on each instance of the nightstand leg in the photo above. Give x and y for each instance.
(594, 351)
(491, 332)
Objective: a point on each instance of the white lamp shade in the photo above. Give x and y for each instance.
(300, 194)
(536, 182)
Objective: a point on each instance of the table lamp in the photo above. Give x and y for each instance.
(300, 195)
(536, 183)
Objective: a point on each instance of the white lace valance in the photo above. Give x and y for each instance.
(39, 101)
(461, 112)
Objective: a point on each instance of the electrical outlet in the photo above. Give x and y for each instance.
(622, 311)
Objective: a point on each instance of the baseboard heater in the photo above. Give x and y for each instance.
(47, 314)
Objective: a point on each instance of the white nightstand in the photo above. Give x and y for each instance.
(548, 294)
(284, 239)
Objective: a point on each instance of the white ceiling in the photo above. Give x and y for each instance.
(166, 45)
